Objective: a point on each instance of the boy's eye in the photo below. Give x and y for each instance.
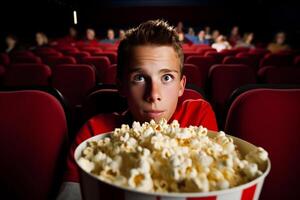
(167, 78)
(138, 78)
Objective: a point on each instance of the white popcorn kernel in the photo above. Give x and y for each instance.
(250, 170)
(148, 132)
(144, 166)
(215, 175)
(204, 160)
(259, 156)
(88, 152)
(223, 184)
(140, 181)
(199, 183)
(86, 164)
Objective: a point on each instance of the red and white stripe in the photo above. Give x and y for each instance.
(250, 193)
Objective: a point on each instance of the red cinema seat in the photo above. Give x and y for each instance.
(26, 59)
(79, 55)
(218, 56)
(297, 61)
(2, 72)
(24, 53)
(52, 61)
(4, 59)
(277, 59)
(279, 75)
(111, 75)
(34, 132)
(270, 118)
(236, 60)
(203, 63)
(224, 79)
(101, 63)
(92, 50)
(73, 81)
(192, 74)
(27, 75)
(112, 56)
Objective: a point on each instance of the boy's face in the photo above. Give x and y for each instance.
(153, 82)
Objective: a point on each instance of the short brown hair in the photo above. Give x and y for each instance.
(152, 32)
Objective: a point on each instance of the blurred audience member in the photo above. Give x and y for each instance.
(90, 37)
(234, 36)
(11, 43)
(121, 34)
(246, 42)
(191, 35)
(41, 40)
(72, 36)
(214, 36)
(179, 27)
(221, 44)
(110, 37)
(201, 38)
(279, 43)
(207, 32)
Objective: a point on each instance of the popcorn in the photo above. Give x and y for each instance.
(162, 157)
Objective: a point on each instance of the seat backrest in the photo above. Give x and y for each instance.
(92, 50)
(26, 59)
(297, 61)
(193, 75)
(253, 58)
(79, 55)
(111, 75)
(224, 79)
(279, 75)
(2, 72)
(188, 54)
(33, 131)
(112, 56)
(277, 59)
(57, 60)
(101, 63)
(23, 53)
(204, 64)
(270, 118)
(218, 56)
(4, 59)
(104, 99)
(74, 81)
(27, 75)
(237, 60)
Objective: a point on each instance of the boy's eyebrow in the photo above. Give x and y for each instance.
(168, 70)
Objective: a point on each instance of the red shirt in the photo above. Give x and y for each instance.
(190, 112)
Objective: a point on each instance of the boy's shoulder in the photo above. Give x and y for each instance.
(101, 123)
(195, 112)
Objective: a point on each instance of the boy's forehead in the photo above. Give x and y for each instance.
(153, 55)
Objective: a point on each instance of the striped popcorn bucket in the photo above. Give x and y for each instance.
(93, 188)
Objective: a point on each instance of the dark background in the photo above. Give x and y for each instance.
(54, 17)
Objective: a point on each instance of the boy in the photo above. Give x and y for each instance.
(150, 61)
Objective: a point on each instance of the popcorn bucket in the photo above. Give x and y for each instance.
(93, 188)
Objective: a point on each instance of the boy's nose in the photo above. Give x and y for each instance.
(153, 92)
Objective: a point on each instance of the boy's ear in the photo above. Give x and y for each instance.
(182, 86)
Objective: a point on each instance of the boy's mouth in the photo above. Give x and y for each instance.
(154, 113)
